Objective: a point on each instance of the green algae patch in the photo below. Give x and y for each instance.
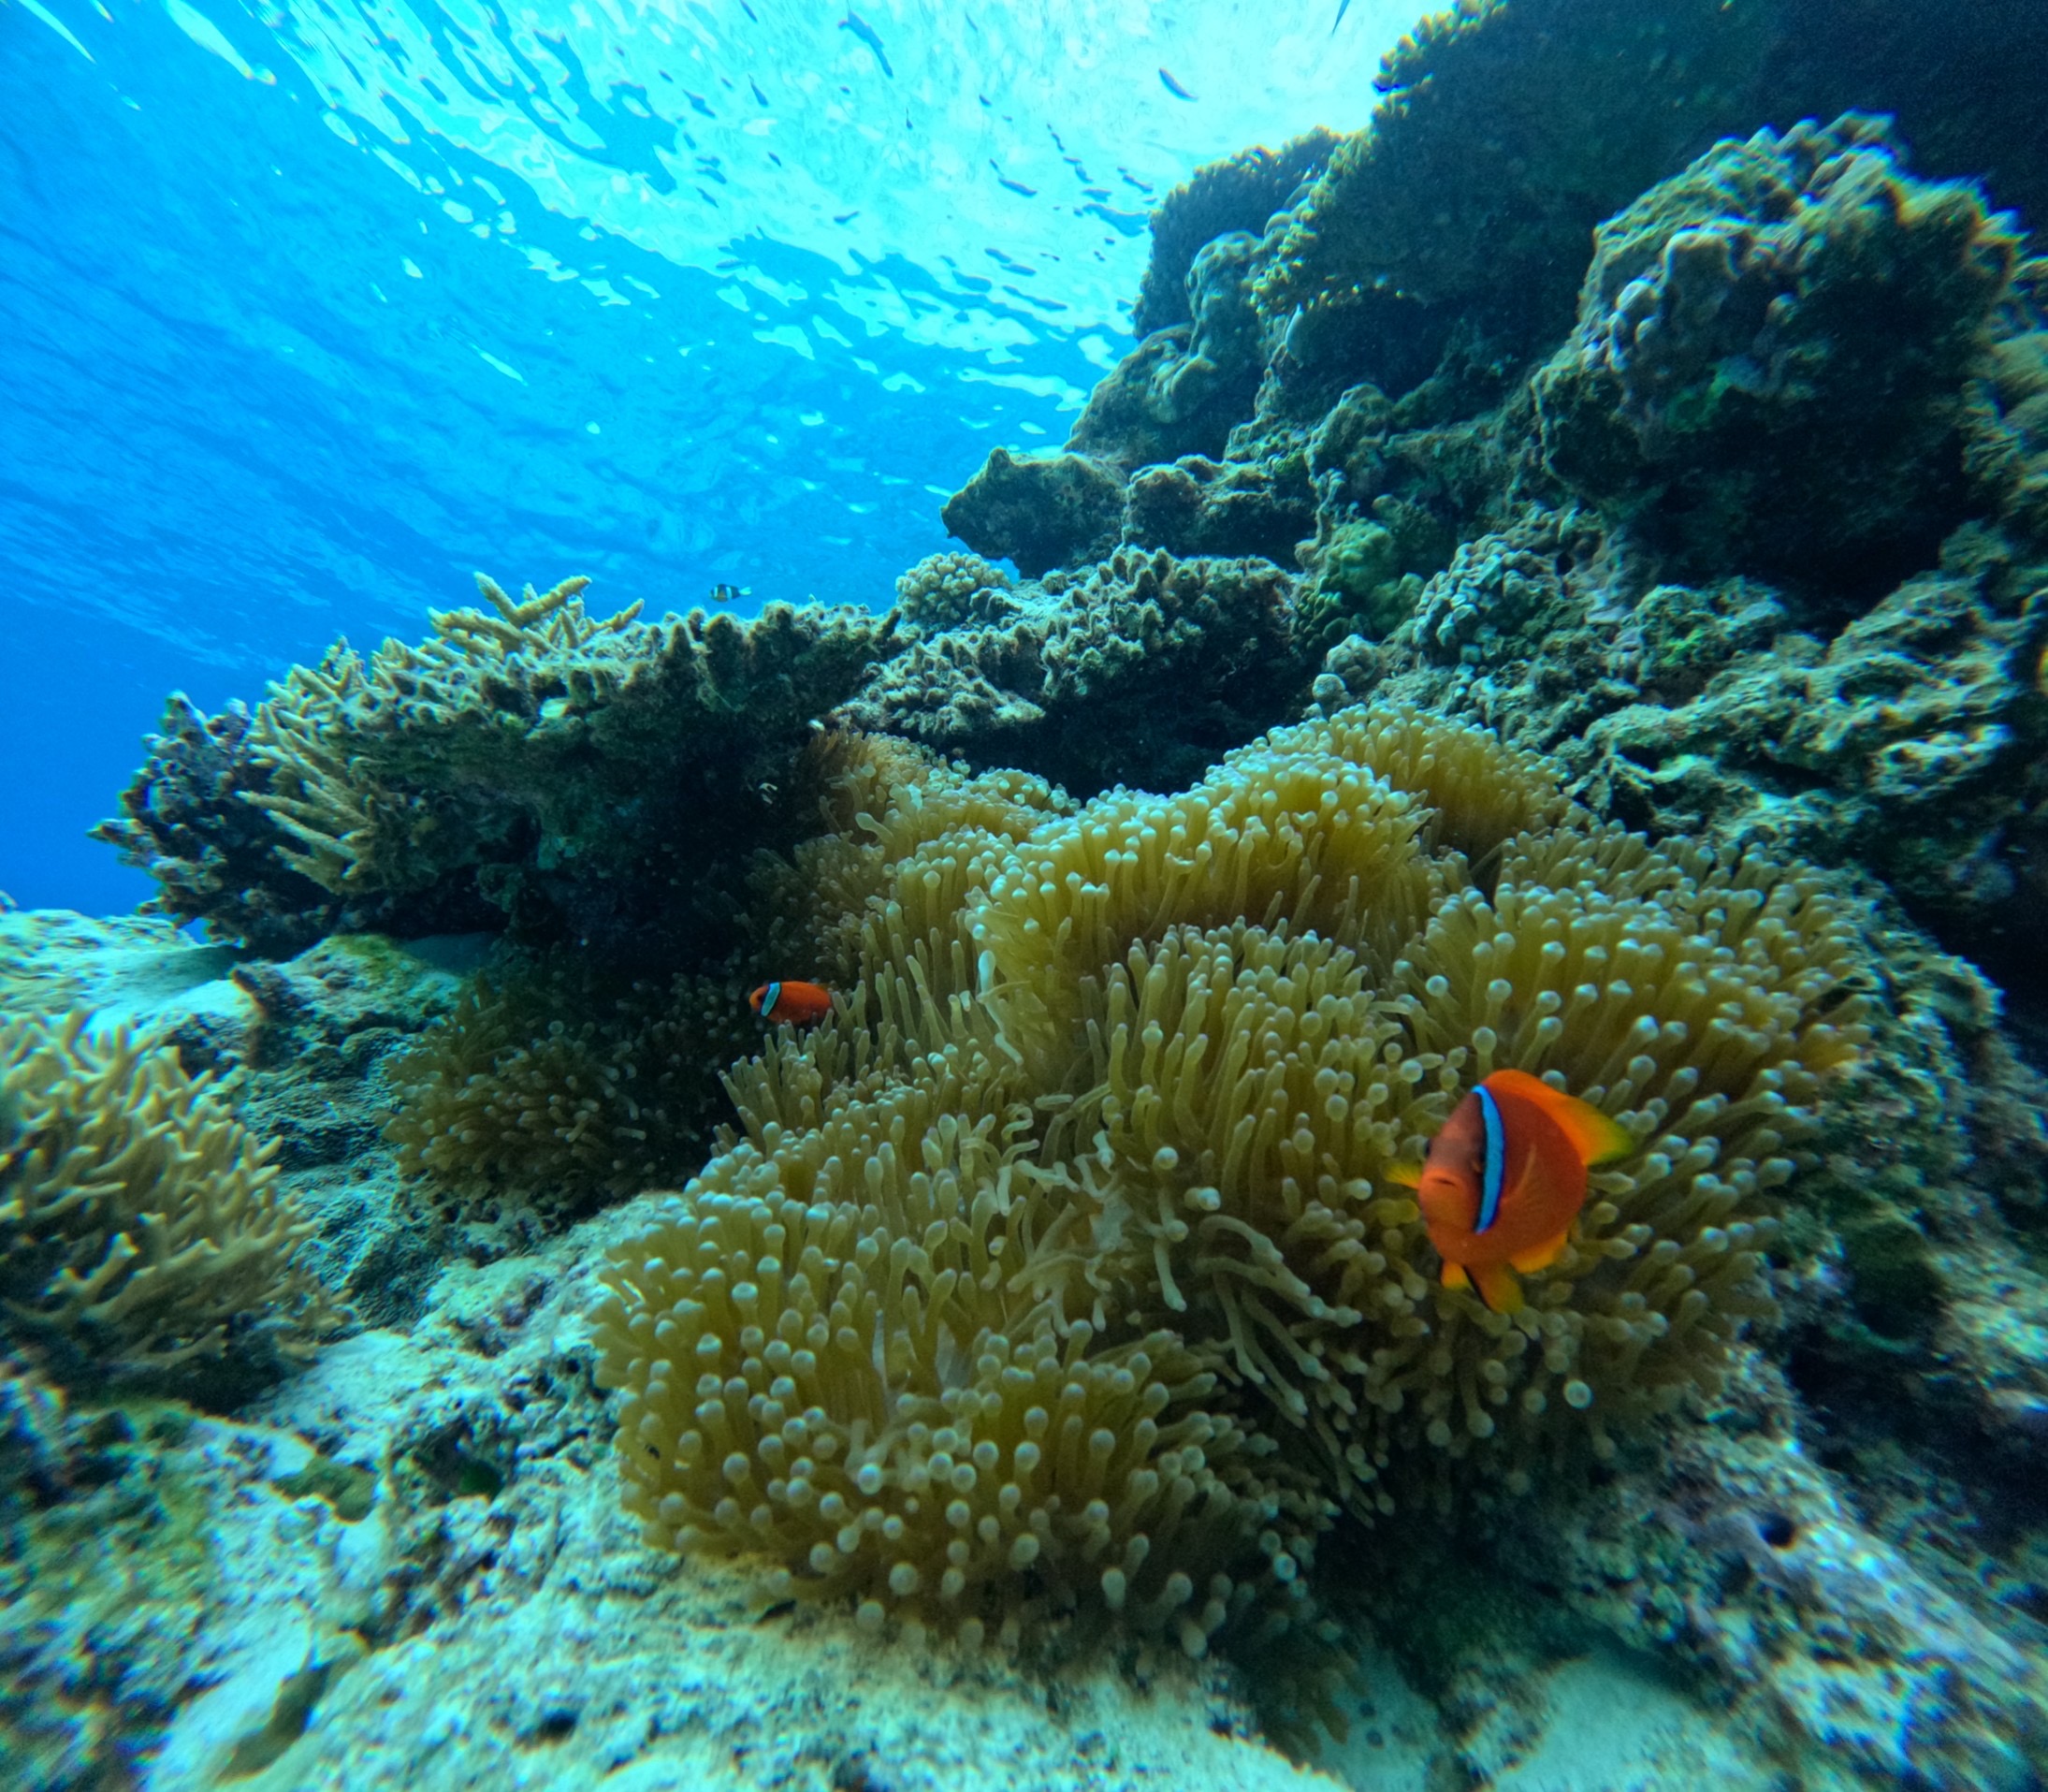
(350, 1490)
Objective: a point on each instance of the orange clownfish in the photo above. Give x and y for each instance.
(801, 1004)
(1505, 1177)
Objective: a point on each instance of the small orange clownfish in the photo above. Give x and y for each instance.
(800, 1004)
(1505, 1177)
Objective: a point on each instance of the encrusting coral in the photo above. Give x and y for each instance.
(142, 1229)
(1238, 193)
(946, 590)
(1114, 1111)
(1138, 670)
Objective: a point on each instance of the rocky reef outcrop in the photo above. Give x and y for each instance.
(1562, 584)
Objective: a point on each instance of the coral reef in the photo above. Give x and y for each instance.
(1233, 508)
(214, 855)
(949, 591)
(1734, 1551)
(1508, 131)
(1514, 178)
(1770, 365)
(1181, 389)
(371, 1577)
(1040, 511)
(1139, 671)
(142, 1230)
(2006, 452)
(1642, 471)
(1908, 739)
(530, 767)
(1236, 195)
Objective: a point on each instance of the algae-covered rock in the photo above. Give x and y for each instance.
(1183, 387)
(1770, 365)
(1236, 195)
(1229, 509)
(1039, 511)
(1507, 132)
(2006, 449)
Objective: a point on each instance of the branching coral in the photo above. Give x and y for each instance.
(212, 854)
(532, 765)
(142, 1231)
(1771, 355)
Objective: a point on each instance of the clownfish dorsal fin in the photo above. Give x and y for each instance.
(1595, 1136)
(1541, 1256)
(1497, 1288)
(1407, 1173)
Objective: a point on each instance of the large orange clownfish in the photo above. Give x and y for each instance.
(1505, 1177)
(801, 1004)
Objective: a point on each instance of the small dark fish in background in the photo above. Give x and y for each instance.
(1173, 86)
(730, 593)
(865, 33)
(800, 1004)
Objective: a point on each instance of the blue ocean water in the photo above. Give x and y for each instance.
(309, 312)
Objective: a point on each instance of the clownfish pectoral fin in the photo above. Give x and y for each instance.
(1596, 1137)
(1497, 1288)
(1455, 1276)
(1541, 1256)
(1408, 1172)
